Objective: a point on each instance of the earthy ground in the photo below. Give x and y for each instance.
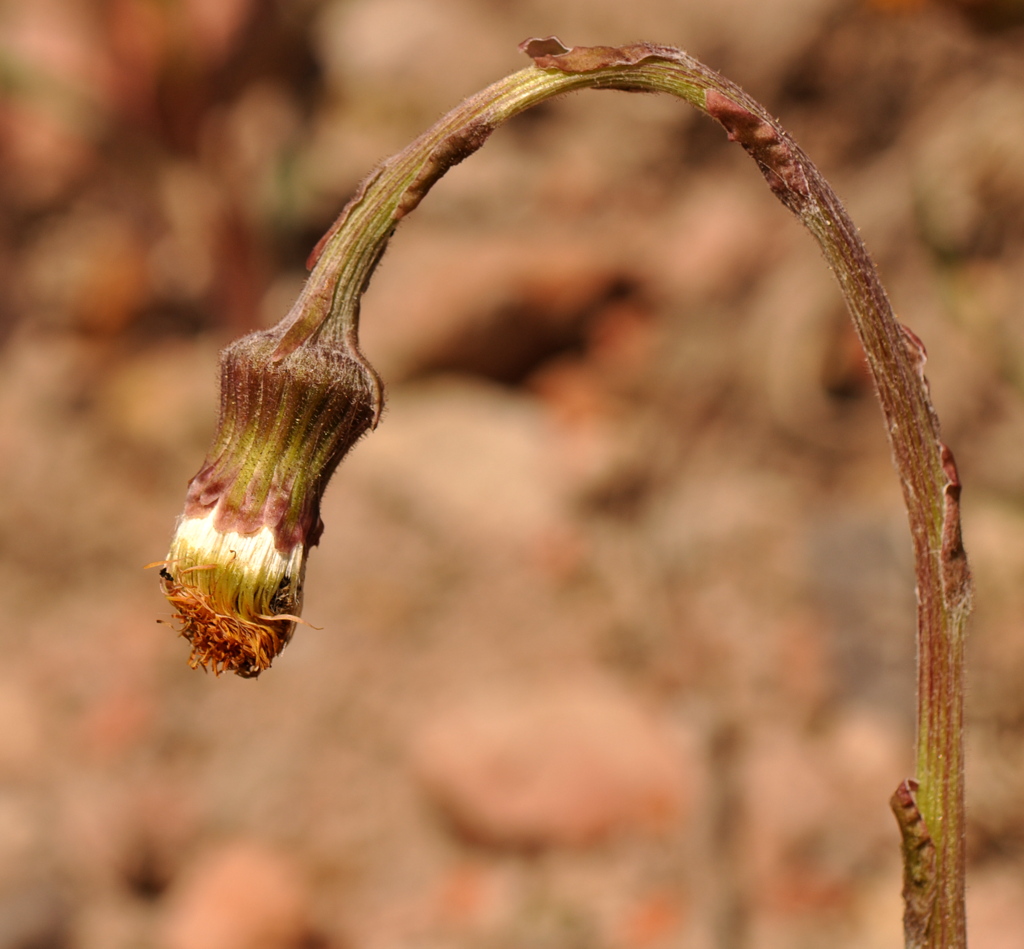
(617, 604)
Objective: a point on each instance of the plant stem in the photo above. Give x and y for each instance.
(932, 822)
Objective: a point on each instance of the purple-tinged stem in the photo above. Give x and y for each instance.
(930, 810)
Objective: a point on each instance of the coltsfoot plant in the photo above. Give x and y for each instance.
(295, 398)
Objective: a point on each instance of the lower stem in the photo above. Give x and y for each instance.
(940, 771)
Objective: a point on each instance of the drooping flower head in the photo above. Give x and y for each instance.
(235, 569)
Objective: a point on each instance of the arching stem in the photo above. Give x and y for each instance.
(930, 810)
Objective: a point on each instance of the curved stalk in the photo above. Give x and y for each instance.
(929, 810)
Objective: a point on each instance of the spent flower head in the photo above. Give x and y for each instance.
(235, 569)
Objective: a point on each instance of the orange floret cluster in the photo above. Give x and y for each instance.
(222, 642)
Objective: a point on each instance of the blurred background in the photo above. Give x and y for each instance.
(617, 604)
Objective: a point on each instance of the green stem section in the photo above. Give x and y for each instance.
(349, 252)
(345, 260)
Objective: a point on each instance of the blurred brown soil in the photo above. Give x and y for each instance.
(617, 604)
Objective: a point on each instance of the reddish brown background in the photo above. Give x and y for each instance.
(617, 604)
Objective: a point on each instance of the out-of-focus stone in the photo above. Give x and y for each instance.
(989, 15)
(21, 731)
(466, 459)
(390, 49)
(474, 897)
(240, 896)
(32, 915)
(214, 25)
(718, 239)
(787, 804)
(995, 910)
(870, 754)
(880, 909)
(116, 721)
(555, 767)
(653, 920)
(42, 156)
(163, 399)
(57, 41)
(20, 837)
(183, 262)
(969, 181)
(249, 146)
(89, 272)
(495, 308)
(814, 811)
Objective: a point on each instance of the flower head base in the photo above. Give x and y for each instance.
(237, 561)
(236, 596)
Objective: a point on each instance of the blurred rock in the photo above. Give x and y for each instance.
(49, 40)
(990, 14)
(109, 922)
(816, 810)
(868, 755)
(388, 51)
(33, 916)
(215, 24)
(862, 579)
(21, 835)
(239, 896)
(495, 308)
(995, 909)
(969, 179)
(474, 896)
(588, 442)
(250, 145)
(466, 459)
(21, 731)
(788, 804)
(42, 156)
(89, 272)
(163, 399)
(718, 238)
(563, 766)
(654, 920)
(116, 722)
(183, 260)
(880, 910)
